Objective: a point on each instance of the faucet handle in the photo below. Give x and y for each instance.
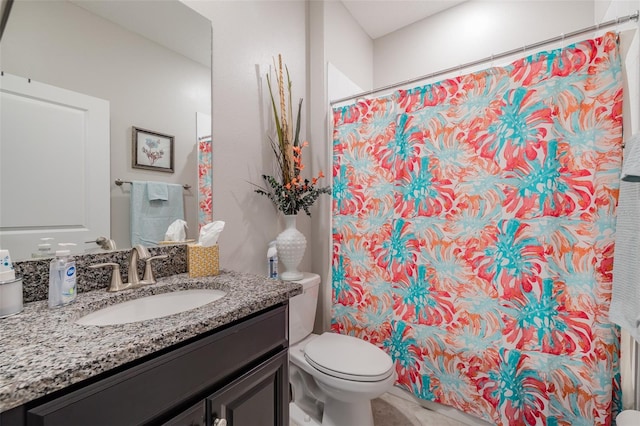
(116, 279)
(148, 277)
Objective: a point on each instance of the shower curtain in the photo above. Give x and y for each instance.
(205, 211)
(473, 225)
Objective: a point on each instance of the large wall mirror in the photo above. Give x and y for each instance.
(150, 60)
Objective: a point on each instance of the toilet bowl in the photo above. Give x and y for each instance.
(333, 377)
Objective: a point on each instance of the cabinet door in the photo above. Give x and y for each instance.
(258, 398)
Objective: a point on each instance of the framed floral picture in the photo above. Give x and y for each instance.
(152, 150)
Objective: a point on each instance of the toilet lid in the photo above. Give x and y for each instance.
(349, 358)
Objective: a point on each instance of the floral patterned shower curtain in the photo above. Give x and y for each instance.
(473, 233)
(205, 211)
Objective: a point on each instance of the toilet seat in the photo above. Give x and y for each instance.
(348, 358)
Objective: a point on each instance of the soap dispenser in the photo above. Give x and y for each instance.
(272, 261)
(62, 279)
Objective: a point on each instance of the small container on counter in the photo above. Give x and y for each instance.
(10, 287)
(10, 297)
(272, 261)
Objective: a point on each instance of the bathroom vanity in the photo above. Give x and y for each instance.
(226, 360)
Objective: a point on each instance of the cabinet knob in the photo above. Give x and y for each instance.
(219, 422)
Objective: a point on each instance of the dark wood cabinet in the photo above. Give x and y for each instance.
(240, 372)
(255, 398)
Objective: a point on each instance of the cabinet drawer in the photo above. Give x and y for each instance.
(146, 391)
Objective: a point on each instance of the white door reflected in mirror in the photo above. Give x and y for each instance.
(53, 143)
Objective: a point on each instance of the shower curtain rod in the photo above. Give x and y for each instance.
(562, 37)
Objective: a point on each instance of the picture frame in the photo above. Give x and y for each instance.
(152, 150)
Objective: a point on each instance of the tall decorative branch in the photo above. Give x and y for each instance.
(291, 194)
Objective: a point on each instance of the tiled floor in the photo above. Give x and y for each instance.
(390, 410)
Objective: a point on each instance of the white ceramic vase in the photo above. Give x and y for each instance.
(291, 244)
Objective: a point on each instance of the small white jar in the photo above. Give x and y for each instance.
(10, 297)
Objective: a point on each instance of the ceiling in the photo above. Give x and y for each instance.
(381, 17)
(376, 17)
(168, 23)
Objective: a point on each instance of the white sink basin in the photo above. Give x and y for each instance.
(150, 307)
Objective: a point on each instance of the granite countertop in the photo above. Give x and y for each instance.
(42, 350)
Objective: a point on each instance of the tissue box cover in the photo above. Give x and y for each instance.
(202, 261)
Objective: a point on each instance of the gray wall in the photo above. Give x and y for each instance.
(247, 35)
(470, 31)
(347, 46)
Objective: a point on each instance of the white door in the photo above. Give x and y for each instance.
(54, 166)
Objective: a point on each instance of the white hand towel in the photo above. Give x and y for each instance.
(625, 297)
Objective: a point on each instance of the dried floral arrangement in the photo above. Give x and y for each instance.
(288, 191)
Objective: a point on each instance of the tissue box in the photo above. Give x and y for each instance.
(202, 261)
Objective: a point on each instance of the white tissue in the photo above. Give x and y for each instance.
(209, 233)
(177, 231)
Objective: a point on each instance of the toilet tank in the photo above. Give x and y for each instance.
(302, 308)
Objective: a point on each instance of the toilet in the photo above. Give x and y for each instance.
(333, 377)
(628, 418)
